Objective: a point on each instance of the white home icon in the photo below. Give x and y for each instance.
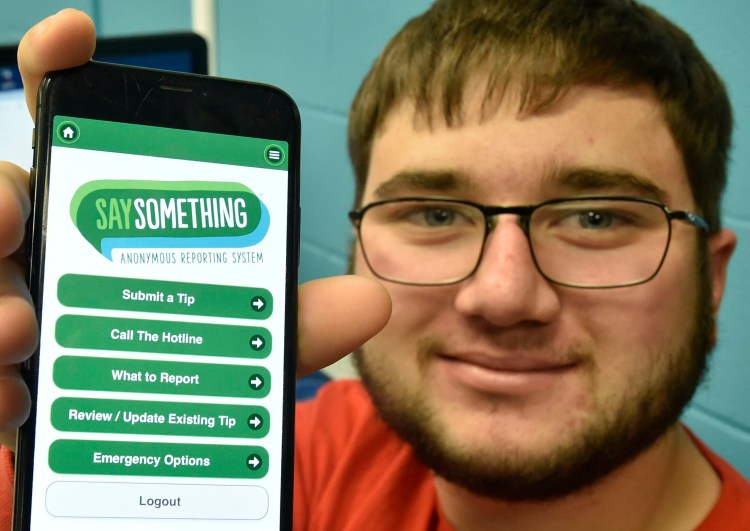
(68, 133)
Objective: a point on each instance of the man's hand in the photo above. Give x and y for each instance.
(18, 330)
(336, 315)
(61, 41)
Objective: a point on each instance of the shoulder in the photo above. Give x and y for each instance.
(732, 511)
(341, 410)
(336, 399)
(342, 421)
(351, 470)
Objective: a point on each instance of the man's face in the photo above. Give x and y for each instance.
(505, 383)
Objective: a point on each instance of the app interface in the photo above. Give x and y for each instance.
(162, 333)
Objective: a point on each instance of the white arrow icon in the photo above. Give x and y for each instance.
(254, 461)
(258, 303)
(255, 421)
(257, 342)
(256, 382)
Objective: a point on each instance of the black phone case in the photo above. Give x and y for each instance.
(143, 96)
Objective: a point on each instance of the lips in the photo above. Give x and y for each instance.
(513, 363)
(503, 374)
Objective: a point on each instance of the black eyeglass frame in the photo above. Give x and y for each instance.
(524, 213)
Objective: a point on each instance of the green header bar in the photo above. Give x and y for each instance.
(118, 137)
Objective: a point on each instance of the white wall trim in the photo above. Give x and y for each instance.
(204, 24)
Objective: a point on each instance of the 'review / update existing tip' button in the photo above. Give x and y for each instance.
(84, 499)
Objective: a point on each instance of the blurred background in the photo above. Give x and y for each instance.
(319, 51)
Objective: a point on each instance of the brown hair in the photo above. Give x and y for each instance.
(545, 47)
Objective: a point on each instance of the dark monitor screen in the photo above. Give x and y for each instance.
(182, 52)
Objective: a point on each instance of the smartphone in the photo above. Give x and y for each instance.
(163, 259)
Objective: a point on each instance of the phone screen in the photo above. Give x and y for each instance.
(164, 307)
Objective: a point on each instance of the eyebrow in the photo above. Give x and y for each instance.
(593, 180)
(563, 181)
(416, 181)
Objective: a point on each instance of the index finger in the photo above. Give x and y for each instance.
(63, 40)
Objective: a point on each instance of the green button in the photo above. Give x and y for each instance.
(94, 415)
(163, 377)
(68, 132)
(160, 296)
(274, 155)
(167, 337)
(118, 458)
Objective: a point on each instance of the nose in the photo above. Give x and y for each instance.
(507, 288)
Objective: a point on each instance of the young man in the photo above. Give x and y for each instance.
(538, 184)
(538, 187)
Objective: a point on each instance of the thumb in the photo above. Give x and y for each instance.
(336, 316)
(60, 41)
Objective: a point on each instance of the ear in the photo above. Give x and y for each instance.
(720, 248)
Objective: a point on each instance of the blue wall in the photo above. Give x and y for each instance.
(721, 411)
(319, 51)
(111, 18)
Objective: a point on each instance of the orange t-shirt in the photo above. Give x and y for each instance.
(353, 473)
(6, 488)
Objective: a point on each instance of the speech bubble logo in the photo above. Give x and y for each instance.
(129, 214)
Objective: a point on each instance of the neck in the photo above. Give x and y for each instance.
(670, 486)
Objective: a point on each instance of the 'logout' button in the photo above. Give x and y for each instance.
(83, 499)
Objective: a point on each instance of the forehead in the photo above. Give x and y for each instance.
(593, 139)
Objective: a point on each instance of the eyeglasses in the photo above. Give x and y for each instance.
(582, 242)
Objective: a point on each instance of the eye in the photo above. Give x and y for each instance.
(586, 219)
(437, 216)
(427, 216)
(595, 219)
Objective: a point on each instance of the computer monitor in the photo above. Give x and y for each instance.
(182, 52)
